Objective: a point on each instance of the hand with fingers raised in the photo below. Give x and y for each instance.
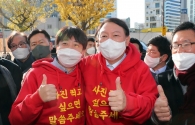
(47, 92)
(117, 98)
(161, 106)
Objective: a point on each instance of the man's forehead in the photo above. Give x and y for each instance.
(152, 47)
(181, 40)
(38, 37)
(183, 37)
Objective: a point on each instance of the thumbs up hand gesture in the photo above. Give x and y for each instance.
(161, 106)
(117, 98)
(47, 92)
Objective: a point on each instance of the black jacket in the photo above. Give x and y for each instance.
(14, 70)
(172, 89)
(10, 83)
(155, 76)
(174, 93)
(25, 66)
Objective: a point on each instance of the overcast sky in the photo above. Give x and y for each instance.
(134, 9)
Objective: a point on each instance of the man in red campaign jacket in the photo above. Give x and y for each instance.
(120, 89)
(52, 91)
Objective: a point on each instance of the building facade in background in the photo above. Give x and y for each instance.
(184, 11)
(172, 14)
(139, 25)
(191, 10)
(127, 21)
(175, 12)
(153, 13)
(111, 14)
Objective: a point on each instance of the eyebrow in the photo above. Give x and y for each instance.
(36, 41)
(151, 50)
(18, 42)
(40, 40)
(116, 32)
(185, 40)
(112, 32)
(69, 41)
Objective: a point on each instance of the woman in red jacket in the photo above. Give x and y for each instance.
(52, 91)
(120, 89)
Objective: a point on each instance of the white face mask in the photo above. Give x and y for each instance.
(91, 50)
(151, 62)
(21, 53)
(183, 61)
(111, 49)
(68, 57)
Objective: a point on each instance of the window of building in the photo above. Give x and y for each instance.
(147, 6)
(157, 11)
(152, 18)
(150, 11)
(49, 26)
(157, 5)
(147, 24)
(147, 18)
(108, 16)
(152, 25)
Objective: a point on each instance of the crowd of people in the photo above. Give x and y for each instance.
(97, 81)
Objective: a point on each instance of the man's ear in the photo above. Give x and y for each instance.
(127, 41)
(83, 52)
(164, 57)
(50, 46)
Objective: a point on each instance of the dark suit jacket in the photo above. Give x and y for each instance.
(14, 70)
(5, 92)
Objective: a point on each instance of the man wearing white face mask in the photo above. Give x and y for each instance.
(119, 88)
(17, 43)
(158, 53)
(90, 49)
(53, 89)
(176, 102)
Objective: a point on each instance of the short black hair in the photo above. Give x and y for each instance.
(12, 35)
(117, 21)
(184, 26)
(134, 40)
(91, 39)
(36, 31)
(162, 44)
(68, 32)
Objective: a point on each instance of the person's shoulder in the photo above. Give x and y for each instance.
(141, 65)
(166, 77)
(90, 58)
(8, 63)
(30, 71)
(166, 72)
(89, 61)
(33, 72)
